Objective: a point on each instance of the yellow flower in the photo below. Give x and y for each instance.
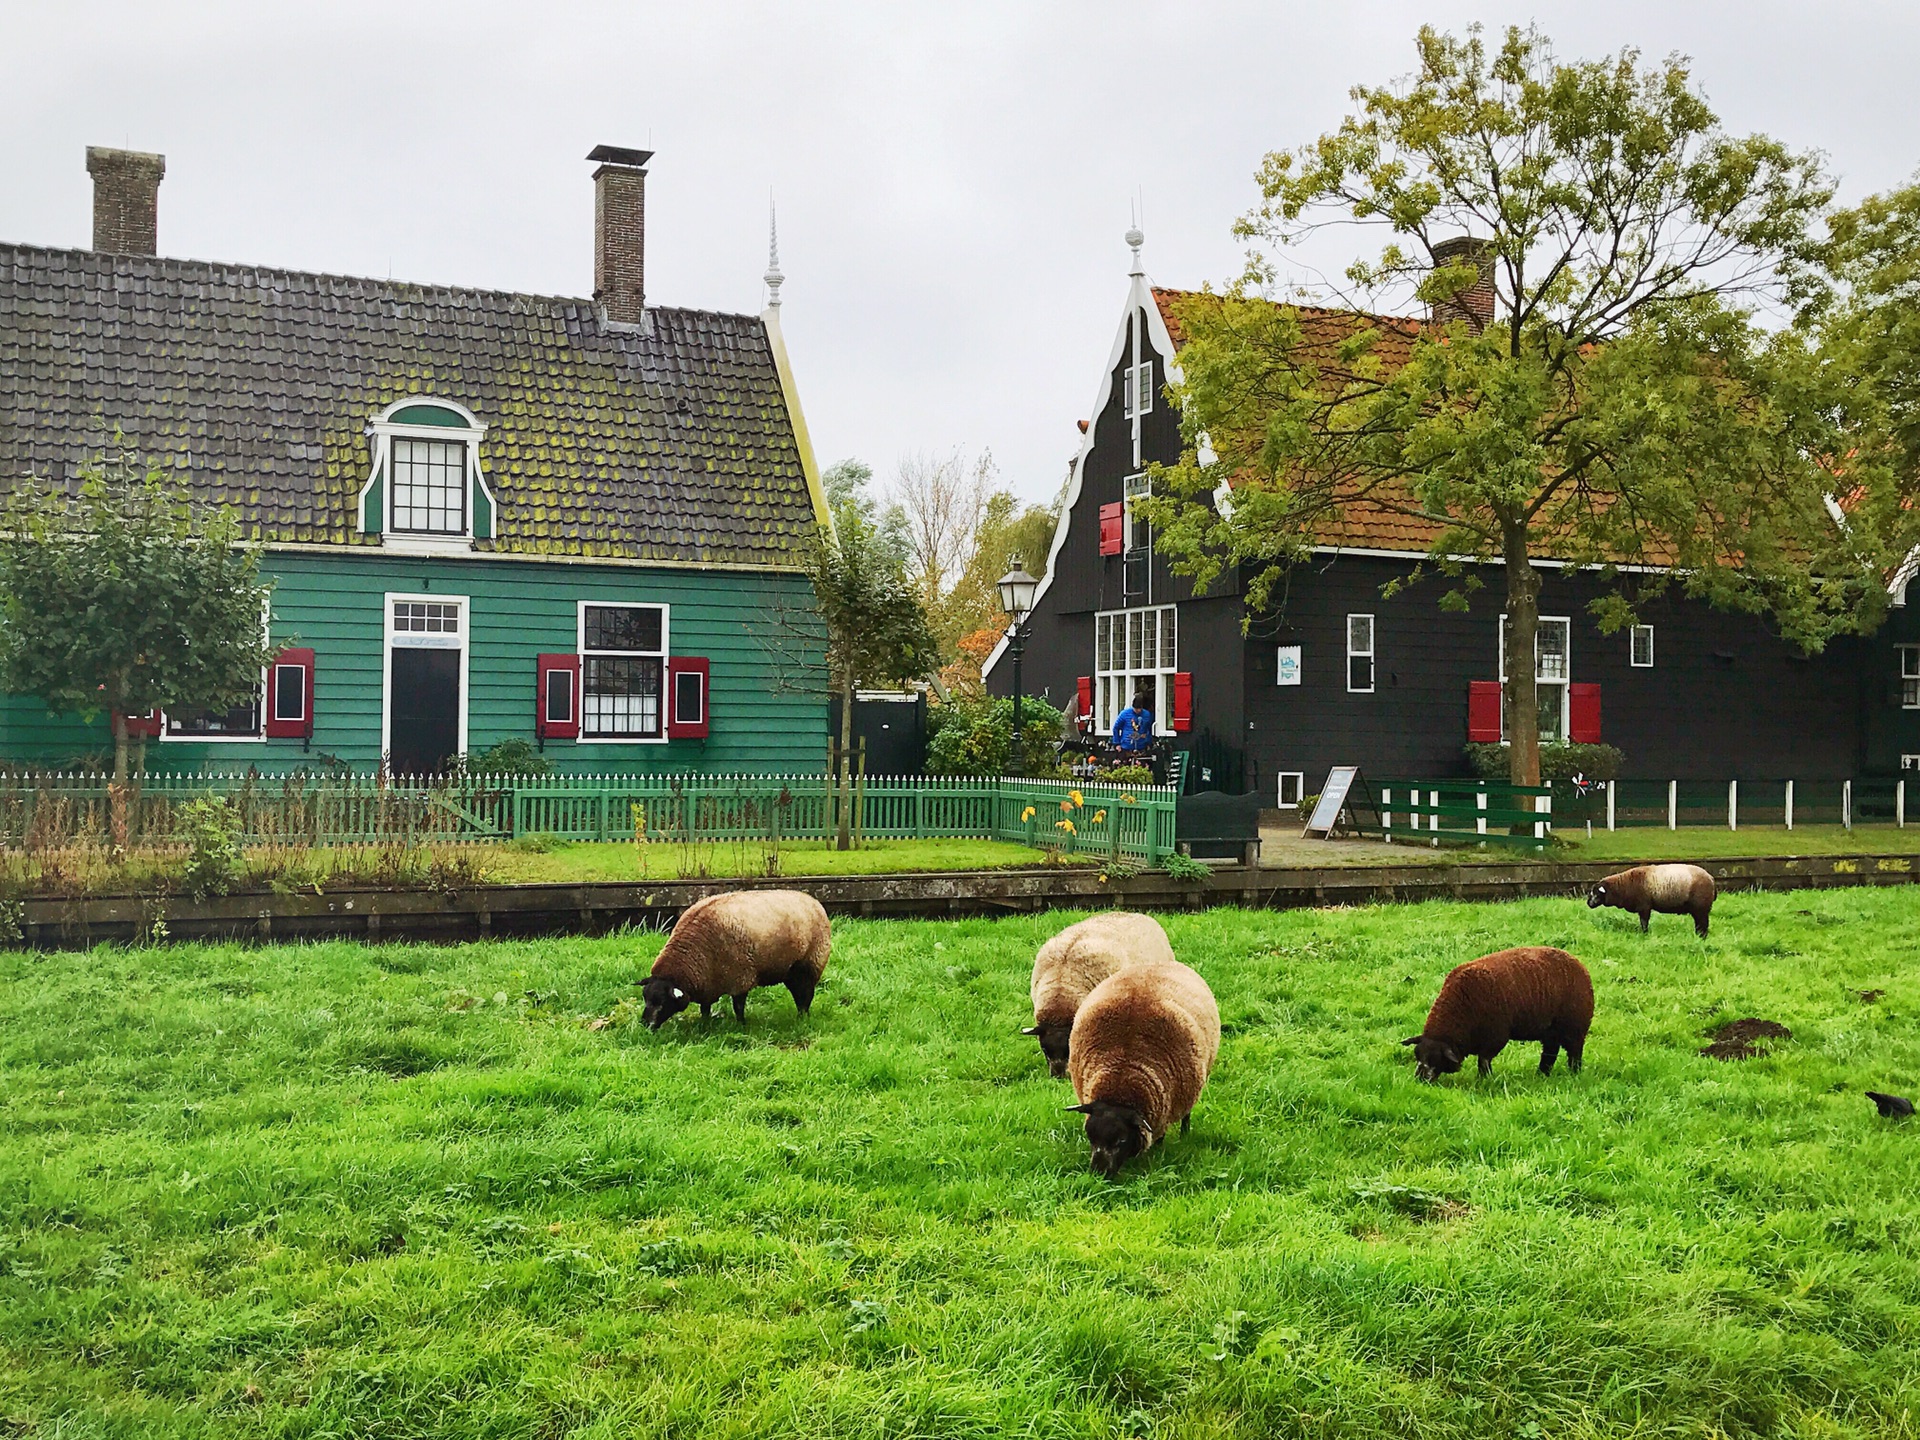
(1077, 798)
(1026, 815)
(1128, 800)
(1098, 816)
(1066, 807)
(1066, 825)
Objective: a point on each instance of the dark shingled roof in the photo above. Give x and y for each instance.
(668, 443)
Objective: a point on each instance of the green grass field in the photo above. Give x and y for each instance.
(516, 864)
(405, 1191)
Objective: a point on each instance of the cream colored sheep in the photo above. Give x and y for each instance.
(1079, 958)
(726, 945)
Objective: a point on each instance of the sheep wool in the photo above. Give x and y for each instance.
(727, 945)
(1144, 1042)
(1668, 889)
(1079, 958)
(1530, 993)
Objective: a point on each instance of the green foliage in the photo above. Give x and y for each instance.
(975, 737)
(1128, 775)
(311, 1189)
(1185, 867)
(509, 758)
(1559, 763)
(1621, 408)
(127, 597)
(210, 828)
(543, 842)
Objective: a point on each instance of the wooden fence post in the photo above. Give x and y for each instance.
(1900, 804)
(1789, 804)
(1673, 804)
(1733, 804)
(1480, 802)
(1846, 803)
(1610, 785)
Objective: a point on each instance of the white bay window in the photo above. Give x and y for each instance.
(1133, 651)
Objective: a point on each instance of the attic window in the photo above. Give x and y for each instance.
(426, 483)
(429, 487)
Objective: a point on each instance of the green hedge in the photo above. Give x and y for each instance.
(1558, 763)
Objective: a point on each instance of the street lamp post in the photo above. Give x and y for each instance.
(1016, 598)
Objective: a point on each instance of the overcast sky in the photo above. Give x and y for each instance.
(953, 180)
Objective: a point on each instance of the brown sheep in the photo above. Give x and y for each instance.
(1143, 1045)
(1669, 889)
(1077, 959)
(1530, 993)
(726, 945)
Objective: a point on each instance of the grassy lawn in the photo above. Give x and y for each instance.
(511, 863)
(1284, 848)
(404, 1191)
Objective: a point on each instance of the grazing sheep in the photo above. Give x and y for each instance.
(1530, 993)
(1142, 1047)
(1669, 889)
(1077, 959)
(726, 945)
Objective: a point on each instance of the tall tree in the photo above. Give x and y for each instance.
(939, 500)
(876, 629)
(126, 597)
(1591, 385)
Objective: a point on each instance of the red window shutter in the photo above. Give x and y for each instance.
(147, 725)
(1083, 697)
(1113, 525)
(1183, 700)
(289, 699)
(1583, 714)
(687, 678)
(556, 700)
(1483, 712)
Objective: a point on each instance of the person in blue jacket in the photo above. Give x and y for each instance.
(1133, 728)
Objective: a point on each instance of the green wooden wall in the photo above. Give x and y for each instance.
(766, 715)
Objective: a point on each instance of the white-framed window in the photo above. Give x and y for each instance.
(1292, 784)
(1137, 391)
(429, 486)
(429, 702)
(1909, 676)
(1360, 654)
(1134, 651)
(1139, 535)
(1910, 762)
(288, 701)
(623, 671)
(242, 722)
(1552, 671)
(1640, 647)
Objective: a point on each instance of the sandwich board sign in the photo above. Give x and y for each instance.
(1345, 795)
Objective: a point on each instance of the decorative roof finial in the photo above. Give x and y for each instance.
(1135, 239)
(773, 276)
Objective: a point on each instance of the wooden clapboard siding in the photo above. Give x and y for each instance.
(762, 720)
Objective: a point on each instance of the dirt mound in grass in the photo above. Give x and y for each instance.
(1739, 1040)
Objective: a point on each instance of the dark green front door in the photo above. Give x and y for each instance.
(425, 731)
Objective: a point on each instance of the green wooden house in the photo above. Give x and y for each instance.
(488, 516)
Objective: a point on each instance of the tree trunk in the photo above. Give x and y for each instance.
(1521, 693)
(844, 840)
(119, 748)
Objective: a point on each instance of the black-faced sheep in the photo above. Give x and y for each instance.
(1143, 1045)
(1077, 959)
(726, 945)
(1669, 889)
(1530, 993)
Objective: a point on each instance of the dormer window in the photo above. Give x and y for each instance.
(426, 484)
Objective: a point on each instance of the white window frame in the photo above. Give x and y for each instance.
(1137, 390)
(272, 708)
(1369, 654)
(259, 737)
(1910, 762)
(382, 431)
(666, 677)
(1909, 658)
(1113, 687)
(1564, 682)
(1294, 780)
(1634, 635)
(1136, 486)
(396, 639)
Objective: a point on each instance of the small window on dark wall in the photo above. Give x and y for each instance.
(1292, 782)
(1360, 654)
(1910, 676)
(1642, 647)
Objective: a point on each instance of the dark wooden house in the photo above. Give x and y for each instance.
(1338, 673)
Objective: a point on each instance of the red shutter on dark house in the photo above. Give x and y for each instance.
(147, 725)
(1583, 714)
(556, 701)
(1113, 526)
(687, 678)
(1483, 712)
(1183, 700)
(290, 695)
(1083, 697)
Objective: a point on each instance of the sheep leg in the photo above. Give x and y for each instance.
(1486, 1066)
(1645, 916)
(1700, 922)
(1574, 1047)
(740, 1008)
(800, 983)
(706, 1009)
(1549, 1052)
(1186, 1122)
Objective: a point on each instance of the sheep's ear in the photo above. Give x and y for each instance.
(1411, 1040)
(1080, 1109)
(1031, 1030)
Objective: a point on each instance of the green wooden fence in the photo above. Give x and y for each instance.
(1466, 812)
(1131, 822)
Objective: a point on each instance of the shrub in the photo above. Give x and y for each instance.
(1127, 775)
(509, 757)
(213, 849)
(1185, 867)
(973, 737)
(1559, 763)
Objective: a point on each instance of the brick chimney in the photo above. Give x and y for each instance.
(620, 233)
(1475, 303)
(126, 200)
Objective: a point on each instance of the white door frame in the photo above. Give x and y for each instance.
(413, 640)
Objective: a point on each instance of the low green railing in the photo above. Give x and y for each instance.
(1470, 812)
(1134, 822)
